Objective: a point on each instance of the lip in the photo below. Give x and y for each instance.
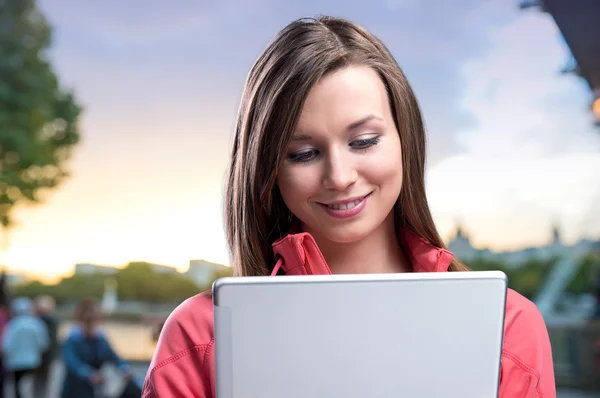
(346, 213)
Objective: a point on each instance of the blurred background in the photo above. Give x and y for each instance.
(116, 119)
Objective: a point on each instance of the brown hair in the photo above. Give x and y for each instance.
(302, 54)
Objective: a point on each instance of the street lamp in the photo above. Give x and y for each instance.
(596, 106)
(596, 110)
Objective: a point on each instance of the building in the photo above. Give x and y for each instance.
(203, 273)
(163, 269)
(89, 269)
(461, 246)
(14, 279)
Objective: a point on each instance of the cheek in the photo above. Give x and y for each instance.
(387, 176)
(385, 170)
(297, 183)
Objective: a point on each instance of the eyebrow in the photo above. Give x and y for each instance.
(350, 127)
(364, 120)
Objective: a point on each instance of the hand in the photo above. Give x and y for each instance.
(96, 378)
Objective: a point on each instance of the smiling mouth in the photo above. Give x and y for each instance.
(345, 205)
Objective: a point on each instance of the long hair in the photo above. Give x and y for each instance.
(304, 52)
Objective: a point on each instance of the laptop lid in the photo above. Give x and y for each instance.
(355, 336)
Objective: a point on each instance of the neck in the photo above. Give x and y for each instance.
(378, 253)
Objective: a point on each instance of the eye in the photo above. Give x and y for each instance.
(364, 143)
(304, 156)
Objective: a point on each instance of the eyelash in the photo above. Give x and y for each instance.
(362, 145)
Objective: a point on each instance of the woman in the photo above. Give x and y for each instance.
(327, 176)
(85, 351)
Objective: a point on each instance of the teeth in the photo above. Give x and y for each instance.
(345, 206)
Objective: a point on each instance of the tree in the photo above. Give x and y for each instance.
(222, 272)
(38, 119)
(138, 281)
(584, 280)
(526, 278)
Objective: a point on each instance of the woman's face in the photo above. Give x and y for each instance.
(342, 172)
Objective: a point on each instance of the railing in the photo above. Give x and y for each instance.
(576, 364)
(576, 355)
(556, 283)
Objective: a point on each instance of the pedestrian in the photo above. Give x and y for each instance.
(85, 351)
(44, 307)
(24, 342)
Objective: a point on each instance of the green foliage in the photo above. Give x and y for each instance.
(528, 278)
(138, 281)
(79, 287)
(587, 275)
(223, 272)
(73, 288)
(33, 289)
(38, 119)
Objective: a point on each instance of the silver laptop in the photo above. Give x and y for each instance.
(356, 336)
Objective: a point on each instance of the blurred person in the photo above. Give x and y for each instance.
(4, 319)
(327, 176)
(44, 307)
(85, 351)
(24, 342)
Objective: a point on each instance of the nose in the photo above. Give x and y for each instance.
(340, 172)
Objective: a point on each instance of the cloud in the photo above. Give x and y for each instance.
(144, 23)
(533, 155)
(430, 40)
(165, 43)
(518, 92)
(204, 45)
(510, 140)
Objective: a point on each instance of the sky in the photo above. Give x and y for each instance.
(512, 148)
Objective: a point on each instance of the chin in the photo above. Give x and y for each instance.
(347, 234)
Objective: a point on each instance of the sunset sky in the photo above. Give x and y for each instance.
(512, 145)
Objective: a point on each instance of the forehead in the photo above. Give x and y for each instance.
(343, 97)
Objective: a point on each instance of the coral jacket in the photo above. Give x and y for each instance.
(183, 363)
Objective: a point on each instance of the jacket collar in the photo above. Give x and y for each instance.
(298, 254)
